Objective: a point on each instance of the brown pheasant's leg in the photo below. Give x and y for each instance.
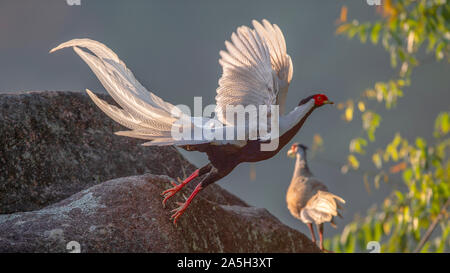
(172, 191)
(321, 239)
(311, 229)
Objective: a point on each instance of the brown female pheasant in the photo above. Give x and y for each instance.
(308, 199)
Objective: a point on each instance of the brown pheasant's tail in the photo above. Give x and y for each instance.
(322, 207)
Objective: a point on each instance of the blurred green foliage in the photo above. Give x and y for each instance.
(419, 204)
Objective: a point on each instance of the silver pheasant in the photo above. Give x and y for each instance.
(308, 199)
(257, 72)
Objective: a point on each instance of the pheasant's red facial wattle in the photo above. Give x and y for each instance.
(321, 99)
(293, 150)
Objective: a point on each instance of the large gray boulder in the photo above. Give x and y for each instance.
(54, 144)
(126, 215)
(55, 150)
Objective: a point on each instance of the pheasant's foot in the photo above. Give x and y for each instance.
(183, 206)
(171, 192)
(177, 187)
(326, 251)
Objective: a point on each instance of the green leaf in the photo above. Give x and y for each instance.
(352, 29)
(371, 121)
(401, 54)
(442, 124)
(362, 33)
(378, 231)
(353, 161)
(376, 159)
(350, 245)
(393, 58)
(407, 175)
(357, 144)
(400, 196)
(375, 33)
(440, 51)
(420, 143)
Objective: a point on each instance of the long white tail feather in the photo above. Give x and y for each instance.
(169, 141)
(126, 119)
(122, 91)
(142, 135)
(146, 114)
(115, 113)
(106, 54)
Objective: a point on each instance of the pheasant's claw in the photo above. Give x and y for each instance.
(177, 187)
(169, 193)
(183, 206)
(179, 208)
(325, 250)
(166, 191)
(178, 211)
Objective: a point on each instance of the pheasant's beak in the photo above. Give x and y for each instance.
(291, 152)
(328, 102)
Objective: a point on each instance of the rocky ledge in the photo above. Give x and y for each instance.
(56, 148)
(126, 215)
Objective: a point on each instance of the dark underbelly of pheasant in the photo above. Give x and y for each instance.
(229, 156)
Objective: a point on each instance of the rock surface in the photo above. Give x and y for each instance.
(126, 215)
(59, 144)
(54, 144)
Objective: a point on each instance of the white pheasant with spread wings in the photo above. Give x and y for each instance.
(257, 72)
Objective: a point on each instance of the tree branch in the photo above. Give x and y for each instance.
(432, 227)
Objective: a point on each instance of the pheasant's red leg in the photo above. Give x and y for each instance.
(321, 239)
(183, 206)
(171, 192)
(311, 229)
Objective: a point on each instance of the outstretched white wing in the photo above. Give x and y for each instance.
(256, 69)
(280, 60)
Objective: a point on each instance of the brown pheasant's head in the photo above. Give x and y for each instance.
(295, 148)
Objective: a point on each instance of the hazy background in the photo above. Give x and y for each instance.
(173, 49)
